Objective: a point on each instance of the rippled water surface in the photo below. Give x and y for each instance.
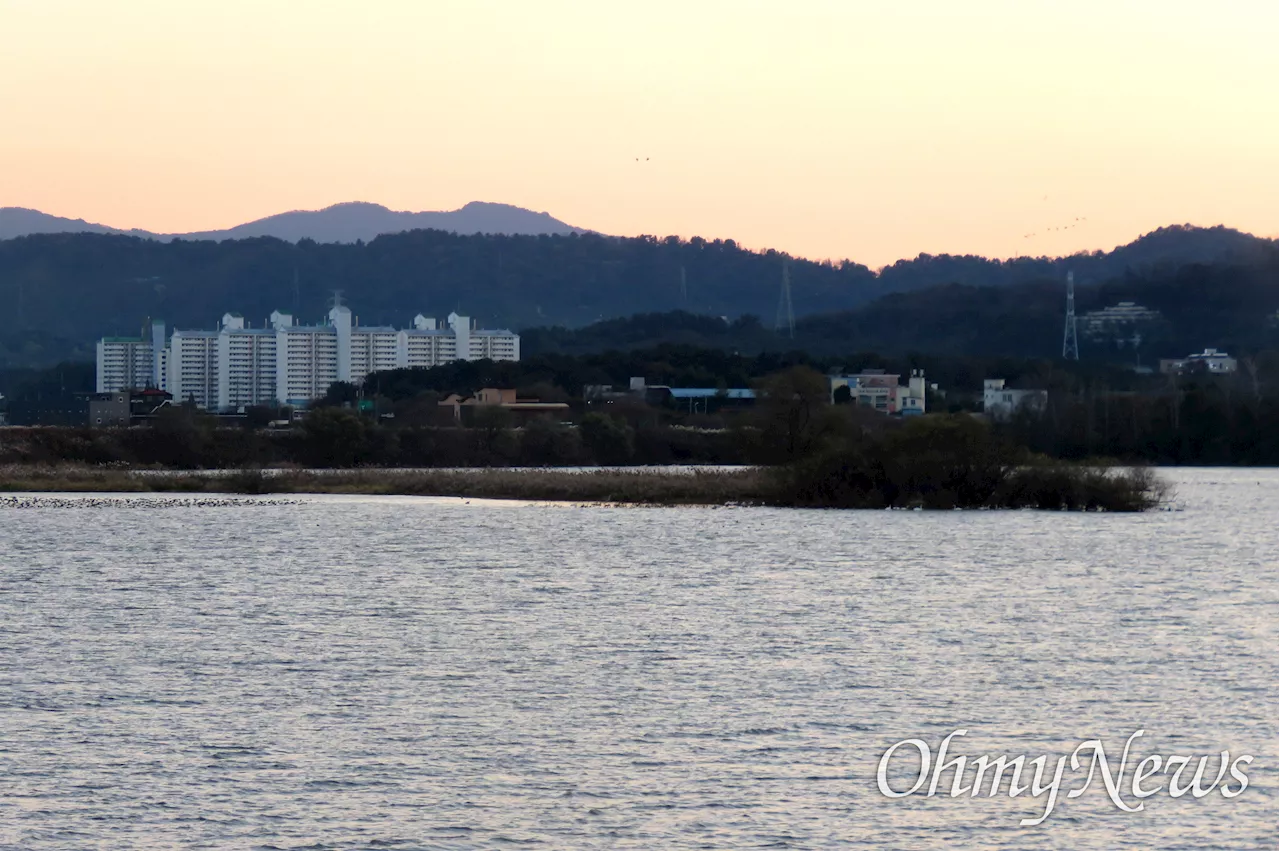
(410, 673)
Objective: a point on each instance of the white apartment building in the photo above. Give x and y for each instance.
(237, 365)
(306, 360)
(246, 363)
(372, 349)
(132, 362)
(124, 362)
(193, 368)
(494, 345)
(425, 345)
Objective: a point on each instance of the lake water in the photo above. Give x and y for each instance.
(404, 673)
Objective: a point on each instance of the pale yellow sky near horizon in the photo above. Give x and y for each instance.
(867, 130)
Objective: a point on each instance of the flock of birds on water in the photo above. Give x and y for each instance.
(29, 501)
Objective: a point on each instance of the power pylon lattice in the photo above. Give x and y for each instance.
(1070, 345)
(785, 315)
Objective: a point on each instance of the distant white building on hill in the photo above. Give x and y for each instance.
(1210, 360)
(1117, 321)
(283, 362)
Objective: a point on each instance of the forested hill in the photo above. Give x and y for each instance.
(62, 291)
(1162, 249)
(74, 288)
(1229, 305)
(1226, 305)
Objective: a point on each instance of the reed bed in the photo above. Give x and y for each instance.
(833, 484)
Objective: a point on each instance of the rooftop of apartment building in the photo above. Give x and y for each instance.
(278, 320)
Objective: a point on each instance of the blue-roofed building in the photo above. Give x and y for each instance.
(702, 399)
(691, 399)
(736, 393)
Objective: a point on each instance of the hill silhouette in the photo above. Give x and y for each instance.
(358, 220)
(347, 222)
(1229, 304)
(20, 221)
(1169, 246)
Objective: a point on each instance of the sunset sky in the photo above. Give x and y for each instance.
(826, 128)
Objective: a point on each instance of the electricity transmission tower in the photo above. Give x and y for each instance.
(1070, 345)
(785, 313)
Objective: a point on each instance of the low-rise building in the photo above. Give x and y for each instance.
(637, 389)
(690, 399)
(873, 388)
(706, 400)
(1001, 403)
(494, 397)
(1210, 360)
(124, 408)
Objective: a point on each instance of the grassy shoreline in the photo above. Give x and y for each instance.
(614, 486)
(1058, 486)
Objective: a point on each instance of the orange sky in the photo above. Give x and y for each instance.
(826, 128)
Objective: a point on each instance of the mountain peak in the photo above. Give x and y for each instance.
(349, 205)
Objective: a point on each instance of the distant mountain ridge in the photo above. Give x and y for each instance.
(20, 221)
(343, 223)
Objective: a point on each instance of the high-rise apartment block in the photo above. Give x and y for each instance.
(282, 362)
(125, 362)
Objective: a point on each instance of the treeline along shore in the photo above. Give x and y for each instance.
(799, 451)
